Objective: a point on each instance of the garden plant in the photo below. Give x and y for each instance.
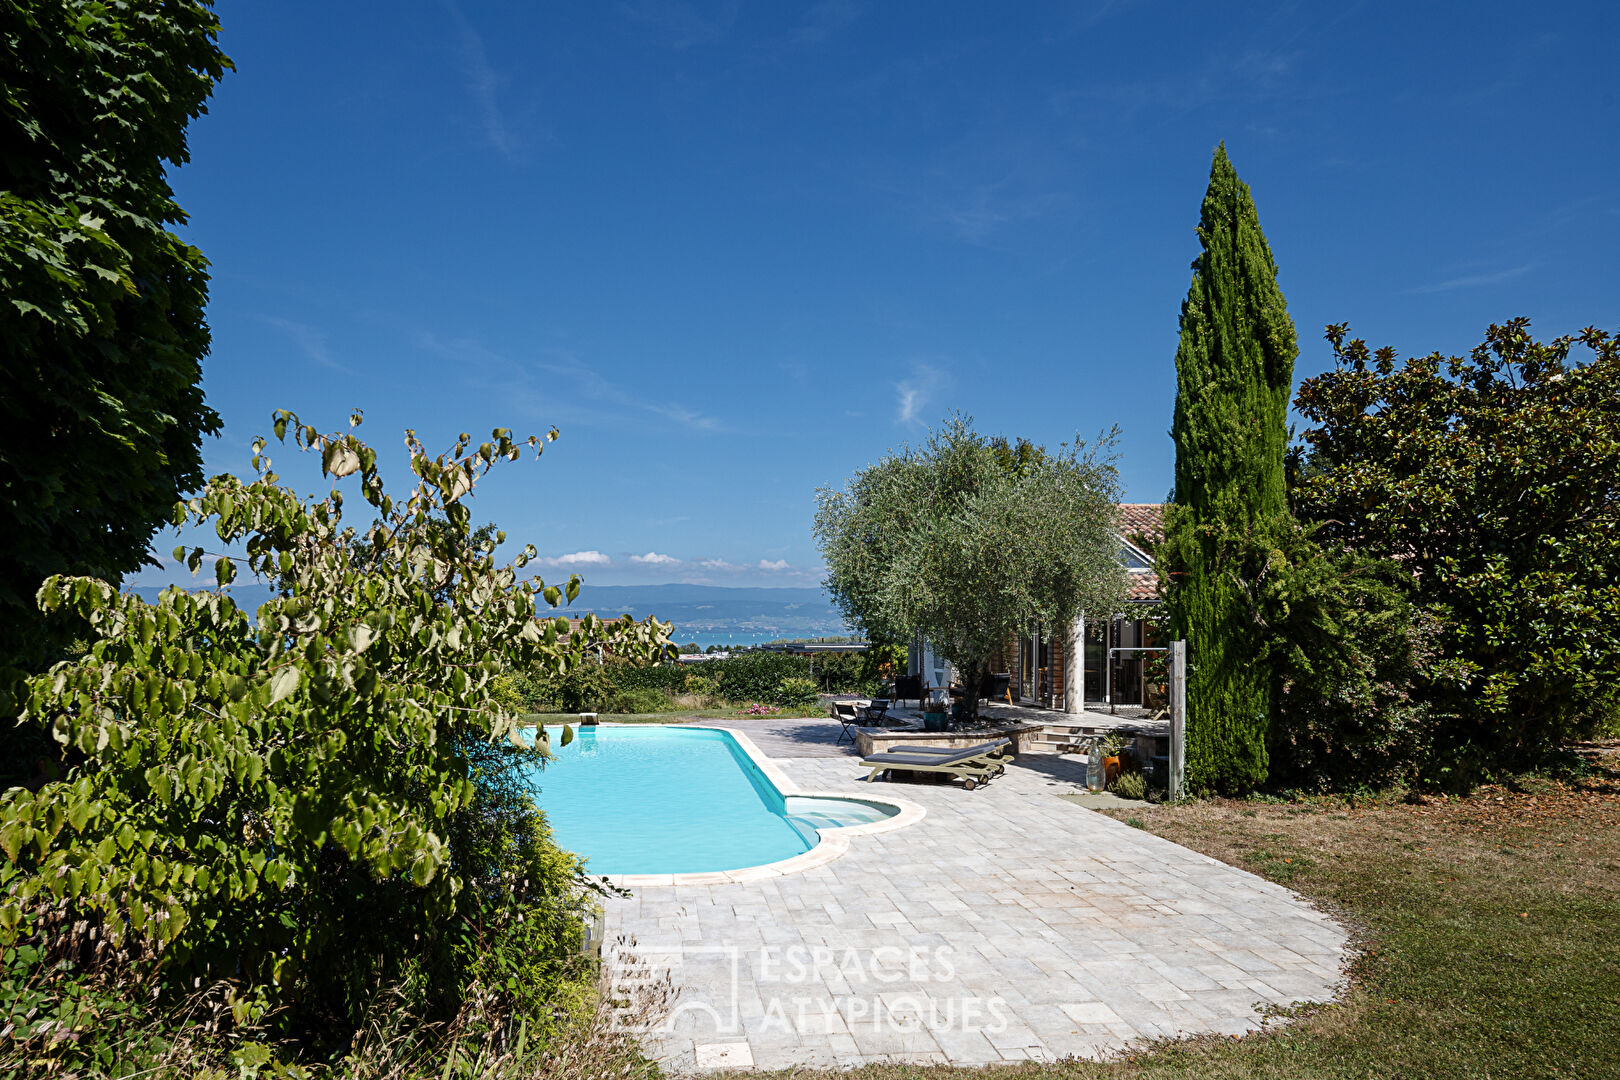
(322, 802)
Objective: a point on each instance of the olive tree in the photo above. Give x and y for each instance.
(968, 543)
(250, 797)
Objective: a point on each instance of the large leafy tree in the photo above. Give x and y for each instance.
(101, 326)
(296, 800)
(1493, 479)
(969, 541)
(1234, 371)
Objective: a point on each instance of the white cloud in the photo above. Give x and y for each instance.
(580, 558)
(915, 394)
(653, 558)
(310, 341)
(718, 564)
(1474, 281)
(482, 82)
(773, 564)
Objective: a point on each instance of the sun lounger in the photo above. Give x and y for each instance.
(975, 765)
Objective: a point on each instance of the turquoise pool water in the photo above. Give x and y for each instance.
(650, 799)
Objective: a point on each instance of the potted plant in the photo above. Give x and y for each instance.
(1113, 748)
(934, 714)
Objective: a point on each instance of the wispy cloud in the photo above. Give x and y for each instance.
(978, 214)
(1474, 281)
(579, 558)
(518, 380)
(916, 393)
(482, 81)
(310, 340)
(773, 564)
(653, 558)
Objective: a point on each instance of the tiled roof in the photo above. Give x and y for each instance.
(1141, 522)
(1144, 587)
(1142, 519)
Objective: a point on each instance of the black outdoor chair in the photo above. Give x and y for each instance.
(907, 687)
(849, 715)
(994, 687)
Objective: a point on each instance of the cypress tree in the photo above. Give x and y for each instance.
(1234, 370)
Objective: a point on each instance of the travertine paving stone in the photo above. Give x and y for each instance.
(1007, 925)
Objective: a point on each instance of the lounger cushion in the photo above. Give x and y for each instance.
(910, 757)
(948, 751)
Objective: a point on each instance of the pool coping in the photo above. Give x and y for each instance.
(834, 841)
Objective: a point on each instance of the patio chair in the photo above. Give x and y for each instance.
(907, 687)
(974, 765)
(849, 715)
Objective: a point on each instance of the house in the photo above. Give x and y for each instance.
(1102, 660)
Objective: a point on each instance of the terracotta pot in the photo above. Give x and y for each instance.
(1111, 769)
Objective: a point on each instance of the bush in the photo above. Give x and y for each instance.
(754, 676)
(796, 692)
(1490, 478)
(639, 701)
(310, 804)
(668, 677)
(1130, 785)
(701, 685)
(1349, 650)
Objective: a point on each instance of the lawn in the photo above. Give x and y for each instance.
(1486, 928)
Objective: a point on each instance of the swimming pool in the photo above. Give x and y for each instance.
(650, 799)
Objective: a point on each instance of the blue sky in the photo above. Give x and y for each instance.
(735, 252)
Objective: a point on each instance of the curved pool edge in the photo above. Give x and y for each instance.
(834, 842)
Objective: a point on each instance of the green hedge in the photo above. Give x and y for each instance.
(670, 677)
(749, 676)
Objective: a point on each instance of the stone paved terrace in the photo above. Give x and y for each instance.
(1008, 924)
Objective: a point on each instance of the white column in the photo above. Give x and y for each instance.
(1074, 668)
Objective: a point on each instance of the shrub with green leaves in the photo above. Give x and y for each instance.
(754, 676)
(293, 800)
(1130, 785)
(796, 692)
(1493, 480)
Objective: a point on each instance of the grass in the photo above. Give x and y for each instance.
(1486, 929)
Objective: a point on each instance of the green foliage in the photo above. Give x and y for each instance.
(639, 701)
(950, 542)
(1130, 785)
(1346, 646)
(585, 687)
(746, 676)
(669, 678)
(101, 331)
(754, 676)
(309, 801)
(796, 693)
(1234, 370)
(1493, 480)
(700, 684)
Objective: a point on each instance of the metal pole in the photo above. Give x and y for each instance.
(1178, 720)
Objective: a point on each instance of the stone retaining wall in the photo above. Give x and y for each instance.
(871, 741)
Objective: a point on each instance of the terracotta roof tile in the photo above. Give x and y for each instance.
(1142, 519)
(1139, 522)
(1144, 587)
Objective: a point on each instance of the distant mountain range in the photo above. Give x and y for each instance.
(704, 613)
(708, 611)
